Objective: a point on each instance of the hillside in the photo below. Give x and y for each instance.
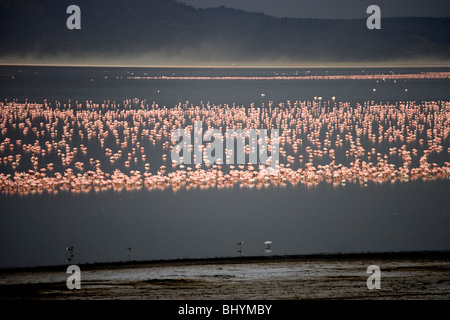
(161, 31)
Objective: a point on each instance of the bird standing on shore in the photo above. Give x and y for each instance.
(240, 246)
(268, 244)
(69, 253)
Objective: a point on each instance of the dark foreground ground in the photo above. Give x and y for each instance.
(417, 275)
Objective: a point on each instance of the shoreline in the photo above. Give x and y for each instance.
(392, 255)
(420, 275)
(294, 66)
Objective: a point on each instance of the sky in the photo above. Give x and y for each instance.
(332, 9)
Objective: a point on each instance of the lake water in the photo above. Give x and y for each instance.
(36, 228)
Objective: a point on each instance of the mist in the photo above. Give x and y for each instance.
(167, 33)
(189, 58)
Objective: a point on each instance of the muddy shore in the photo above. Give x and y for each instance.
(404, 275)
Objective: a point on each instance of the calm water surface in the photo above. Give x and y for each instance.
(35, 229)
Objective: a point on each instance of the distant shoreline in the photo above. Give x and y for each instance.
(392, 255)
(294, 66)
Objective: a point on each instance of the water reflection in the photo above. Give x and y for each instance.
(357, 175)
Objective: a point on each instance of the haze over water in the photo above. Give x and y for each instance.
(36, 228)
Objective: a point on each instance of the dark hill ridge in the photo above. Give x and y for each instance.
(131, 28)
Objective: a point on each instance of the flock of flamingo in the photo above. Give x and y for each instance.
(381, 76)
(79, 147)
